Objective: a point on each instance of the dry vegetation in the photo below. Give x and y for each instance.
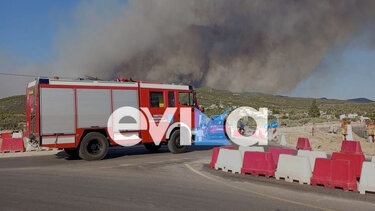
(12, 112)
(290, 111)
(322, 140)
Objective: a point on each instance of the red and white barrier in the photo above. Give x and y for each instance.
(355, 159)
(351, 147)
(12, 145)
(312, 156)
(293, 168)
(367, 181)
(303, 143)
(322, 174)
(334, 173)
(6, 135)
(343, 175)
(277, 151)
(258, 163)
(249, 149)
(229, 160)
(215, 153)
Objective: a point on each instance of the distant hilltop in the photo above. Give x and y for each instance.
(361, 100)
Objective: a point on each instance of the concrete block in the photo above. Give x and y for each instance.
(312, 155)
(293, 168)
(367, 181)
(249, 149)
(229, 160)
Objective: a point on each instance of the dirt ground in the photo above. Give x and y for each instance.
(322, 140)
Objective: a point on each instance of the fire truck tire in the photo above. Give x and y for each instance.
(94, 146)
(174, 143)
(72, 152)
(152, 147)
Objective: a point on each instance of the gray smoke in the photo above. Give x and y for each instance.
(239, 45)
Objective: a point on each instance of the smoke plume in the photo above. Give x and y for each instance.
(239, 45)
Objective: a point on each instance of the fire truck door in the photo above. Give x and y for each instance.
(156, 103)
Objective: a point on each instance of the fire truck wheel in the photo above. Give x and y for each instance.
(72, 152)
(94, 146)
(174, 143)
(152, 147)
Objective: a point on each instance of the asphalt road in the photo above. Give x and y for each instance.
(133, 179)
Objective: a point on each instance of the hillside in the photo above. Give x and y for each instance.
(361, 100)
(12, 112)
(290, 111)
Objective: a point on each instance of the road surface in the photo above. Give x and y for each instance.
(133, 179)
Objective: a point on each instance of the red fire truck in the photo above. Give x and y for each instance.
(73, 114)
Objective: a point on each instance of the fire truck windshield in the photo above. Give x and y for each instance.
(185, 98)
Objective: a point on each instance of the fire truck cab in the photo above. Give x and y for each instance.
(73, 114)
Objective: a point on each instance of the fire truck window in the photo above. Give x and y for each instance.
(184, 98)
(171, 101)
(156, 99)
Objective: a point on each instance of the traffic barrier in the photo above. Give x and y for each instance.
(229, 160)
(343, 176)
(355, 159)
(215, 152)
(373, 159)
(250, 149)
(303, 143)
(12, 145)
(258, 163)
(322, 174)
(351, 147)
(17, 135)
(367, 181)
(31, 147)
(277, 151)
(292, 168)
(6, 135)
(312, 156)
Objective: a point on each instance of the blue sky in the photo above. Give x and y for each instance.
(29, 30)
(345, 73)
